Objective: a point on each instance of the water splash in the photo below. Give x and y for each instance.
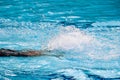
(70, 38)
(86, 46)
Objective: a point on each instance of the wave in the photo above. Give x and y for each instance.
(24, 34)
(78, 45)
(53, 36)
(107, 23)
(70, 38)
(74, 40)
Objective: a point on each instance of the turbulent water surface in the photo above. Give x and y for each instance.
(86, 33)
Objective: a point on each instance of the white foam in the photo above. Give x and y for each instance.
(108, 23)
(9, 73)
(77, 74)
(106, 73)
(70, 38)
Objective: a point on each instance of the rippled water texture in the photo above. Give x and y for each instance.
(85, 32)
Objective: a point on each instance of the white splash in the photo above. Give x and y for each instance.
(70, 38)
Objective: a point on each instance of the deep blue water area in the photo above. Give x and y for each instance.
(85, 32)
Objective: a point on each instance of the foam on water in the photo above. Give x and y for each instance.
(67, 38)
(86, 33)
(70, 38)
(78, 46)
(73, 40)
(107, 23)
(25, 34)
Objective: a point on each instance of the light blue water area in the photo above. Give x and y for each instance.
(84, 32)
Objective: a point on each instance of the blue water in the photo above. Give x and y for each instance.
(84, 32)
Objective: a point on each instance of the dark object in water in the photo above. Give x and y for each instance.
(9, 52)
(27, 53)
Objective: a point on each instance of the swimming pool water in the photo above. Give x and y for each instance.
(84, 32)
